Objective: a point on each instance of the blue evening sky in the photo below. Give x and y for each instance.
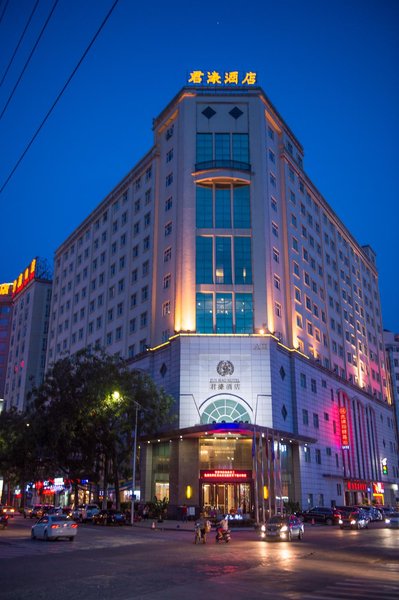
(331, 69)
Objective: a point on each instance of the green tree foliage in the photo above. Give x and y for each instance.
(83, 415)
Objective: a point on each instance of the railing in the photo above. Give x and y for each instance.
(223, 164)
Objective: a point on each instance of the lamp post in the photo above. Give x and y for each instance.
(137, 406)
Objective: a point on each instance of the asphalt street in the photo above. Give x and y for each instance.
(125, 563)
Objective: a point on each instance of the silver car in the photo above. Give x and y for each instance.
(53, 527)
(283, 528)
(392, 520)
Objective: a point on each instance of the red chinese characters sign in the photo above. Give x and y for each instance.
(343, 419)
(24, 278)
(226, 475)
(356, 486)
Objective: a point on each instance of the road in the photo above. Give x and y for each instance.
(105, 563)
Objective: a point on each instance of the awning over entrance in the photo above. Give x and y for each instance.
(223, 429)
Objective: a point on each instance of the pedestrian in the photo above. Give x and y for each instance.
(184, 513)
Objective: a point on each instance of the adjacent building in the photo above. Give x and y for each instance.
(31, 298)
(5, 331)
(218, 267)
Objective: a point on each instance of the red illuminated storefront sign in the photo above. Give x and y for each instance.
(24, 278)
(226, 475)
(343, 419)
(356, 486)
(378, 489)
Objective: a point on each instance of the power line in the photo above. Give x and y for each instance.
(4, 10)
(59, 95)
(29, 58)
(19, 42)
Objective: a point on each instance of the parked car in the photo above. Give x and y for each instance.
(392, 520)
(53, 527)
(26, 511)
(8, 510)
(320, 514)
(373, 513)
(282, 528)
(357, 519)
(39, 510)
(85, 512)
(109, 517)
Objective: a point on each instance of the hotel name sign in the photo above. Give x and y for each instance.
(216, 78)
(225, 382)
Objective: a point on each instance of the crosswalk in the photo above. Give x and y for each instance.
(359, 587)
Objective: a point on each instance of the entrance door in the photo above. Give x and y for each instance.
(227, 498)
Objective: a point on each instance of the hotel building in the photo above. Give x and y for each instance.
(31, 297)
(218, 267)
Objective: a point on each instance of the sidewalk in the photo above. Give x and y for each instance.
(176, 525)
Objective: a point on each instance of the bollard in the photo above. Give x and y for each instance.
(153, 525)
(312, 520)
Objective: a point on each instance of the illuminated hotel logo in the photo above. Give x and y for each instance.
(24, 278)
(222, 78)
(343, 419)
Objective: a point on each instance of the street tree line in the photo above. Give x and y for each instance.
(79, 423)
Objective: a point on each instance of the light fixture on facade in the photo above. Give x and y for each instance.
(189, 492)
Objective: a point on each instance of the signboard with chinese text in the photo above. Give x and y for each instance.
(343, 419)
(226, 475)
(24, 278)
(356, 486)
(5, 289)
(222, 78)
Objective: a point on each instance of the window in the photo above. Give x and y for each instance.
(303, 380)
(277, 309)
(167, 255)
(277, 282)
(224, 313)
(132, 325)
(168, 204)
(308, 460)
(147, 219)
(316, 420)
(313, 385)
(167, 281)
(276, 255)
(168, 228)
(169, 180)
(143, 319)
(204, 313)
(145, 268)
(274, 229)
(144, 293)
(166, 308)
(244, 313)
(305, 416)
(318, 456)
(223, 272)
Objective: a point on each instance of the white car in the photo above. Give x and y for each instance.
(52, 527)
(392, 520)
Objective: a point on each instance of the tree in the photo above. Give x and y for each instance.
(86, 409)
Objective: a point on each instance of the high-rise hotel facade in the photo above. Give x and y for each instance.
(218, 267)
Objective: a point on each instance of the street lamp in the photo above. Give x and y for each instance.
(116, 396)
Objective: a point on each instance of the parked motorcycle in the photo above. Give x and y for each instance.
(3, 521)
(223, 535)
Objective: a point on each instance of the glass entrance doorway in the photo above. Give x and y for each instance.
(232, 498)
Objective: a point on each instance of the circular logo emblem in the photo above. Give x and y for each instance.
(225, 367)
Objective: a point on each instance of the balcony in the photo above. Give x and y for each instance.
(222, 171)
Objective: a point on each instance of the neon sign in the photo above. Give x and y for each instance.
(222, 78)
(356, 486)
(24, 278)
(343, 419)
(378, 489)
(226, 474)
(5, 289)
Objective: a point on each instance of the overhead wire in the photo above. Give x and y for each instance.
(59, 95)
(29, 58)
(19, 42)
(4, 10)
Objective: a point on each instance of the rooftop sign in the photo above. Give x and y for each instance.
(24, 278)
(5, 289)
(222, 78)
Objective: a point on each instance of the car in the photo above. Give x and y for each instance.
(26, 511)
(373, 513)
(53, 527)
(392, 520)
(357, 519)
(39, 510)
(321, 514)
(109, 517)
(85, 512)
(8, 510)
(282, 528)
